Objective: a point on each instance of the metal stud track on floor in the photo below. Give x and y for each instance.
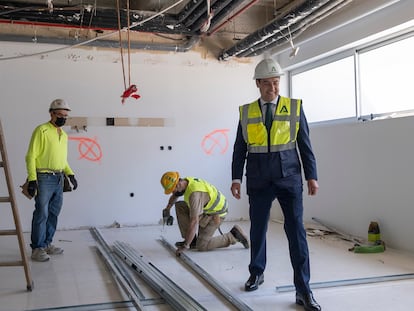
(118, 263)
(240, 305)
(360, 281)
(176, 297)
(116, 268)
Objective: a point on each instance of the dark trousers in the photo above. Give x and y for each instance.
(288, 191)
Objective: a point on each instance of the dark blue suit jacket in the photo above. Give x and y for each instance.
(262, 168)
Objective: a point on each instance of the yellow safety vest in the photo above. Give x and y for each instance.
(283, 132)
(217, 203)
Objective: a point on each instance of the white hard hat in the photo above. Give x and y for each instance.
(59, 104)
(267, 68)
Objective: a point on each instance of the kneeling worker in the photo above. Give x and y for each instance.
(203, 210)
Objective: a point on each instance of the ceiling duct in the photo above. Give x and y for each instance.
(221, 9)
(276, 32)
(284, 36)
(184, 46)
(224, 13)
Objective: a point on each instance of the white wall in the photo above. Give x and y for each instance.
(195, 95)
(366, 174)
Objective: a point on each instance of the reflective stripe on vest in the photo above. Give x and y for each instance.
(283, 132)
(218, 202)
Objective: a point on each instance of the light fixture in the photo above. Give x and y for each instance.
(295, 50)
(34, 38)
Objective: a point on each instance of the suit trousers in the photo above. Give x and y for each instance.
(288, 191)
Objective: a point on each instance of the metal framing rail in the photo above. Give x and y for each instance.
(176, 297)
(360, 281)
(226, 293)
(116, 269)
(119, 264)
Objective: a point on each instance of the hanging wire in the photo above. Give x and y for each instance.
(129, 46)
(93, 13)
(206, 25)
(120, 42)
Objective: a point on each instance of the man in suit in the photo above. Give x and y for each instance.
(272, 133)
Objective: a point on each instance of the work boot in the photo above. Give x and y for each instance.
(239, 235)
(53, 250)
(39, 254)
(193, 244)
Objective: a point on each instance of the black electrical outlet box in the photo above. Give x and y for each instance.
(110, 121)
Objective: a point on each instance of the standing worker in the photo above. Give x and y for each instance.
(270, 133)
(46, 162)
(203, 209)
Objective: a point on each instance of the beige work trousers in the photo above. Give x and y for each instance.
(206, 229)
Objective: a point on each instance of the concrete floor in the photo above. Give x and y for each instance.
(80, 280)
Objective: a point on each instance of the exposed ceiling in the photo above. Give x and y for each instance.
(226, 28)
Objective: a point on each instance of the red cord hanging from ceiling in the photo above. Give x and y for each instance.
(132, 90)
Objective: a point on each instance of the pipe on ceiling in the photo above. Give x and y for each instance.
(187, 22)
(274, 27)
(101, 18)
(246, 7)
(183, 47)
(296, 29)
(197, 19)
(188, 9)
(224, 12)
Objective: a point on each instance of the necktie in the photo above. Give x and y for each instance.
(268, 117)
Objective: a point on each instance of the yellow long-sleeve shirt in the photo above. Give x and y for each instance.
(47, 150)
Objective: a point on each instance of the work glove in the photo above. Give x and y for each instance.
(32, 188)
(73, 181)
(166, 217)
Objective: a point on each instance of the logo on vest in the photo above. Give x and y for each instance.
(283, 109)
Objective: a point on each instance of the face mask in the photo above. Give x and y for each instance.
(60, 122)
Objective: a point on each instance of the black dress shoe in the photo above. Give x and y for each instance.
(308, 302)
(253, 282)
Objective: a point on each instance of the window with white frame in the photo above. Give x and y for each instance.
(327, 91)
(382, 84)
(386, 78)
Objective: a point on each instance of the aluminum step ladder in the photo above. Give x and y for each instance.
(18, 228)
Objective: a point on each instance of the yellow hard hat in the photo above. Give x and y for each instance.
(169, 180)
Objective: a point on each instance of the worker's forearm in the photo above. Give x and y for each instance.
(171, 201)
